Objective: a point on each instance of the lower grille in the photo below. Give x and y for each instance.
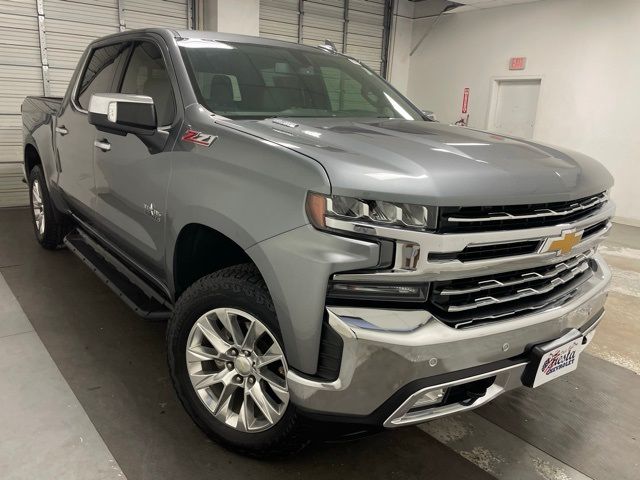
(469, 301)
(330, 355)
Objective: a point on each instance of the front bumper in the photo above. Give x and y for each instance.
(390, 355)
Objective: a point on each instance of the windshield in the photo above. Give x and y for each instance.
(240, 80)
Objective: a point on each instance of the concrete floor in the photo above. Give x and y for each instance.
(584, 425)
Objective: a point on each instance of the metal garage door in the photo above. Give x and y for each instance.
(20, 75)
(40, 43)
(279, 19)
(359, 28)
(366, 32)
(71, 24)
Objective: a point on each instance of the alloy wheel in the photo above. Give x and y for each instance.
(38, 206)
(238, 369)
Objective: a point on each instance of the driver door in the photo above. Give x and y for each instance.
(131, 178)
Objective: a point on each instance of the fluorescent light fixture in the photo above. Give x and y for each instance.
(202, 43)
(468, 144)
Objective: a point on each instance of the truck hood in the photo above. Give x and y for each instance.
(434, 163)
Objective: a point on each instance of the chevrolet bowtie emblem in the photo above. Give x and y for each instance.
(562, 244)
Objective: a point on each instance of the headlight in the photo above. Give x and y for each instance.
(322, 208)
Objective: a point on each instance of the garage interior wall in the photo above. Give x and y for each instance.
(585, 53)
(229, 16)
(40, 43)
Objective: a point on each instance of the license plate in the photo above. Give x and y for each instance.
(561, 360)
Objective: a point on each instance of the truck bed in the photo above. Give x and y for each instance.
(49, 105)
(38, 111)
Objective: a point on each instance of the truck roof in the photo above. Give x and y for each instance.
(208, 35)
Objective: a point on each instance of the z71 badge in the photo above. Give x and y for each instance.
(199, 138)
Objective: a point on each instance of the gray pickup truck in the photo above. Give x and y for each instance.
(325, 254)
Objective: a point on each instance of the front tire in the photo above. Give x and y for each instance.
(228, 365)
(49, 232)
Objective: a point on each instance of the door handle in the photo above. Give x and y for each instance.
(62, 130)
(103, 145)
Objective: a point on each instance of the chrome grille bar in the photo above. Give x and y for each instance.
(520, 310)
(523, 293)
(524, 277)
(501, 216)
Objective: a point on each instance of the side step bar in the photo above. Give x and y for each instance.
(133, 290)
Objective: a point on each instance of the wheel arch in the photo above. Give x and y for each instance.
(31, 157)
(200, 250)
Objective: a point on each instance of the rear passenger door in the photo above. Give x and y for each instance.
(74, 136)
(132, 179)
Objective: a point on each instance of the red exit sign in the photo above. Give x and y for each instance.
(517, 63)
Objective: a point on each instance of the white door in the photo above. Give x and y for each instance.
(514, 107)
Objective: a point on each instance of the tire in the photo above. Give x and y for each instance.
(233, 296)
(49, 232)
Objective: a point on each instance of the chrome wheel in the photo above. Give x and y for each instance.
(38, 207)
(238, 369)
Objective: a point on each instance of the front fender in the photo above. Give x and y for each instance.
(296, 267)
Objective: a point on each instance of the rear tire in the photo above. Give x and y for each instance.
(214, 318)
(49, 232)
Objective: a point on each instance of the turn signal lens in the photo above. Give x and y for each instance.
(317, 209)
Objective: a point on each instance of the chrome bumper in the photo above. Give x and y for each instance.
(386, 350)
(506, 379)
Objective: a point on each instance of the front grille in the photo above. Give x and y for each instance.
(469, 301)
(513, 217)
(593, 229)
(482, 252)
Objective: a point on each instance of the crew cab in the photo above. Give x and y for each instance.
(323, 252)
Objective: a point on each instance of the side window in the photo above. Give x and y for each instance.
(98, 75)
(147, 74)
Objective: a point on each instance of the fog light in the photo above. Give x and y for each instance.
(380, 292)
(430, 398)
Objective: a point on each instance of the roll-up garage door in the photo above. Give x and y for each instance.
(356, 27)
(366, 32)
(279, 19)
(40, 44)
(20, 75)
(323, 20)
(71, 24)
(157, 13)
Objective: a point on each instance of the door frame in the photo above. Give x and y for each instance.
(493, 96)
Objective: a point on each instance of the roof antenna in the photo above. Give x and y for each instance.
(329, 46)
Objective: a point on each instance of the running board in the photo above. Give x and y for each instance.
(132, 289)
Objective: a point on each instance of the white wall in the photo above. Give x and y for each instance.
(400, 40)
(587, 54)
(232, 16)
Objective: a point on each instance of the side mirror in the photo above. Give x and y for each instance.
(123, 113)
(429, 115)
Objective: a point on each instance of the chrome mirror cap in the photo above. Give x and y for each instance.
(123, 112)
